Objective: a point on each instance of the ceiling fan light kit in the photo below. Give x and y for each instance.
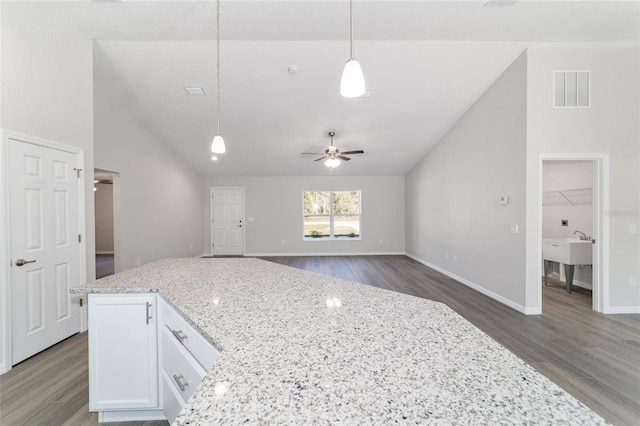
(332, 155)
(352, 82)
(217, 145)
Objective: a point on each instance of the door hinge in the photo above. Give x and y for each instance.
(81, 302)
(79, 238)
(77, 172)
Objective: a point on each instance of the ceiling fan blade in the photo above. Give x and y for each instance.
(321, 158)
(352, 152)
(312, 153)
(342, 157)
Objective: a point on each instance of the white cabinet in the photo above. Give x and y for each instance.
(145, 360)
(185, 356)
(123, 357)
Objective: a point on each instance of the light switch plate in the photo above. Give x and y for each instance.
(514, 228)
(633, 228)
(504, 200)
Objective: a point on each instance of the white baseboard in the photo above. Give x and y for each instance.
(3, 369)
(622, 310)
(478, 288)
(104, 252)
(202, 255)
(381, 253)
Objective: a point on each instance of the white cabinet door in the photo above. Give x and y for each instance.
(123, 352)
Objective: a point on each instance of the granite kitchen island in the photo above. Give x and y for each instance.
(302, 348)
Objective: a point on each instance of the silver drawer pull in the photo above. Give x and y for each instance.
(178, 335)
(182, 384)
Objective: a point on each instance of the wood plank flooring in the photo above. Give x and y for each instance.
(52, 388)
(594, 357)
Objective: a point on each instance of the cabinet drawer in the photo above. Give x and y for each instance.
(184, 373)
(180, 331)
(172, 403)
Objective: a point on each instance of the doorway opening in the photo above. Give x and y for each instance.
(106, 187)
(572, 236)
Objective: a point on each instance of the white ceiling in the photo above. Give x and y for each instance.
(425, 63)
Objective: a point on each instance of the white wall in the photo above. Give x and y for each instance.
(160, 195)
(609, 126)
(275, 203)
(47, 79)
(454, 221)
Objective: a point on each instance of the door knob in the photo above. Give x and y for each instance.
(21, 262)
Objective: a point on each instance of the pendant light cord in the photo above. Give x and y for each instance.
(351, 25)
(218, 60)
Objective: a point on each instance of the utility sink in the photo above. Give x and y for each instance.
(568, 251)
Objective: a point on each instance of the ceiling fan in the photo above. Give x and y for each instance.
(333, 155)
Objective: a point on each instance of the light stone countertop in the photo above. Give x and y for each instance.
(304, 348)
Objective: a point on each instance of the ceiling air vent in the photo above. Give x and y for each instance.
(571, 89)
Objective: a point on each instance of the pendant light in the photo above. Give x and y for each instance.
(352, 83)
(217, 145)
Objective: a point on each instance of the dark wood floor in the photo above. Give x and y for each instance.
(104, 265)
(594, 357)
(52, 388)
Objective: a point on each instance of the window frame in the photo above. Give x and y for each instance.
(330, 216)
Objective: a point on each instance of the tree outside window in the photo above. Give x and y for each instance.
(331, 214)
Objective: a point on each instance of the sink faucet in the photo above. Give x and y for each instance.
(583, 236)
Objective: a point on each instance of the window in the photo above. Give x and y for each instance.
(331, 214)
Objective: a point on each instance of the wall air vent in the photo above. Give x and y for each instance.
(571, 89)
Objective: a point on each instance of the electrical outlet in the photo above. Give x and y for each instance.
(633, 281)
(381, 241)
(633, 228)
(191, 246)
(455, 257)
(282, 242)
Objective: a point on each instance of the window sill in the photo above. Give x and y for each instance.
(332, 239)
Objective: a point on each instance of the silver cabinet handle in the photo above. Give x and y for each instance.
(178, 335)
(149, 317)
(21, 262)
(182, 383)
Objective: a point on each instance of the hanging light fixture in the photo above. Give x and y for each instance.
(332, 162)
(217, 145)
(352, 83)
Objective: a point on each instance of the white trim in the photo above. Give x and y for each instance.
(130, 415)
(5, 245)
(5, 296)
(244, 208)
(380, 253)
(622, 310)
(600, 267)
(478, 288)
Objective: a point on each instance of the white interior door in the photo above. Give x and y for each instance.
(45, 252)
(228, 227)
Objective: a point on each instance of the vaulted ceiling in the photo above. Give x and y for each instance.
(425, 63)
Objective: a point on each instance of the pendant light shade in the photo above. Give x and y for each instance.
(217, 145)
(352, 82)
